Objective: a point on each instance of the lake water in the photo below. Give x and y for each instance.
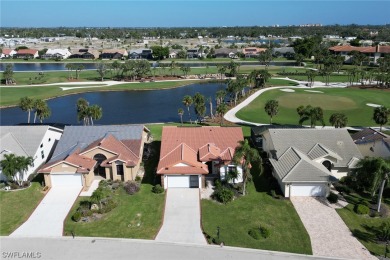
(122, 107)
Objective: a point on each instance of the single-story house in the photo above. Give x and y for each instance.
(85, 153)
(85, 54)
(56, 53)
(136, 54)
(257, 131)
(226, 53)
(113, 54)
(37, 141)
(27, 54)
(287, 52)
(193, 53)
(306, 161)
(7, 53)
(250, 52)
(372, 143)
(189, 154)
(373, 53)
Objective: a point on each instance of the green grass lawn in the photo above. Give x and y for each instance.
(17, 206)
(257, 208)
(362, 226)
(352, 102)
(332, 78)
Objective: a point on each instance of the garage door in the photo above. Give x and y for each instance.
(66, 180)
(308, 190)
(178, 181)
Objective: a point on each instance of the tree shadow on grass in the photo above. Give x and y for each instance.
(150, 164)
(364, 236)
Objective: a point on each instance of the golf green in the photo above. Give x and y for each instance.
(350, 101)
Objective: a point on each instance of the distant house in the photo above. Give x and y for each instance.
(251, 52)
(287, 52)
(88, 152)
(306, 161)
(193, 53)
(84, 54)
(35, 141)
(113, 54)
(26, 54)
(372, 143)
(56, 54)
(226, 53)
(373, 53)
(7, 53)
(136, 54)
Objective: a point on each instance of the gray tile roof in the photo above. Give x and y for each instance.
(368, 135)
(335, 141)
(79, 137)
(22, 140)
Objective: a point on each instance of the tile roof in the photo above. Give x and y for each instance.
(121, 51)
(27, 51)
(191, 145)
(6, 51)
(374, 49)
(368, 135)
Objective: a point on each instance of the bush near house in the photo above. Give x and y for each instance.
(157, 189)
(131, 187)
(333, 198)
(361, 209)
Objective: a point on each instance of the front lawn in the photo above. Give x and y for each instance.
(363, 227)
(17, 206)
(257, 208)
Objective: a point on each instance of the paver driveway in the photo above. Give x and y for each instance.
(328, 233)
(182, 217)
(48, 218)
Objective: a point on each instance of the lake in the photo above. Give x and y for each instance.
(121, 107)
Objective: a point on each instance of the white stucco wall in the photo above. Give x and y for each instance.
(374, 149)
(223, 170)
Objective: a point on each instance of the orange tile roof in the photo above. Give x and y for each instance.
(27, 51)
(348, 48)
(191, 145)
(6, 51)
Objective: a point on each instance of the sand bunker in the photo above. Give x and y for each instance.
(314, 91)
(287, 90)
(373, 105)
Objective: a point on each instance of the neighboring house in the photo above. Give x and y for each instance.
(56, 54)
(257, 133)
(188, 154)
(252, 52)
(226, 53)
(7, 53)
(372, 143)
(193, 53)
(88, 152)
(26, 54)
(305, 161)
(35, 141)
(174, 53)
(113, 54)
(287, 52)
(85, 54)
(374, 53)
(136, 54)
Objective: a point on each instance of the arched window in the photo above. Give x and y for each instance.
(327, 164)
(99, 170)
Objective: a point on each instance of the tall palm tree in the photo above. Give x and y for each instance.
(314, 114)
(259, 77)
(24, 163)
(39, 105)
(220, 96)
(245, 155)
(222, 108)
(381, 116)
(70, 67)
(43, 112)
(338, 120)
(10, 165)
(180, 112)
(187, 101)
(78, 69)
(95, 112)
(82, 110)
(271, 108)
(27, 104)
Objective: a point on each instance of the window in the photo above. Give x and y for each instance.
(43, 154)
(119, 169)
(232, 169)
(41, 145)
(49, 139)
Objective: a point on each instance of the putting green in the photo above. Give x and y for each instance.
(350, 101)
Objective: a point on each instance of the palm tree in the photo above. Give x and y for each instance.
(220, 96)
(221, 69)
(10, 165)
(24, 163)
(78, 69)
(271, 108)
(43, 112)
(314, 114)
(27, 104)
(381, 116)
(187, 101)
(39, 105)
(95, 112)
(373, 173)
(70, 67)
(245, 155)
(222, 108)
(172, 67)
(180, 112)
(260, 77)
(82, 110)
(338, 120)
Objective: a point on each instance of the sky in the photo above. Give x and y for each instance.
(162, 13)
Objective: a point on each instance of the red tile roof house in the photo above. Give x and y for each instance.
(252, 51)
(374, 53)
(189, 154)
(27, 54)
(85, 153)
(7, 53)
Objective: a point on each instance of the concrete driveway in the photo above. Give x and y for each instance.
(182, 217)
(48, 218)
(328, 233)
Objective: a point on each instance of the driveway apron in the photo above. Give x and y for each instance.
(182, 217)
(328, 233)
(48, 218)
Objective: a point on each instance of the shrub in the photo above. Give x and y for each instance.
(76, 216)
(138, 178)
(85, 212)
(85, 204)
(14, 186)
(361, 209)
(108, 205)
(343, 188)
(132, 187)
(265, 232)
(157, 189)
(2, 185)
(255, 233)
(223, 194)
(333, 198)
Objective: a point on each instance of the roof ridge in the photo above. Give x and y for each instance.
(21, 146)
(172, 150)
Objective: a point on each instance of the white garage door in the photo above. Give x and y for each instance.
(308, 190)
(66, 180)
(178, 181)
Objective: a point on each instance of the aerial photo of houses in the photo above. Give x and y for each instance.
(194, 129)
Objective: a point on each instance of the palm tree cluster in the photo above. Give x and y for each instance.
(259, 78)
(76, 67)
(199, 106)
(88, 113)
(40, 107)
(236, 87)
(314, 114)
(15, 166)
(8, 74)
